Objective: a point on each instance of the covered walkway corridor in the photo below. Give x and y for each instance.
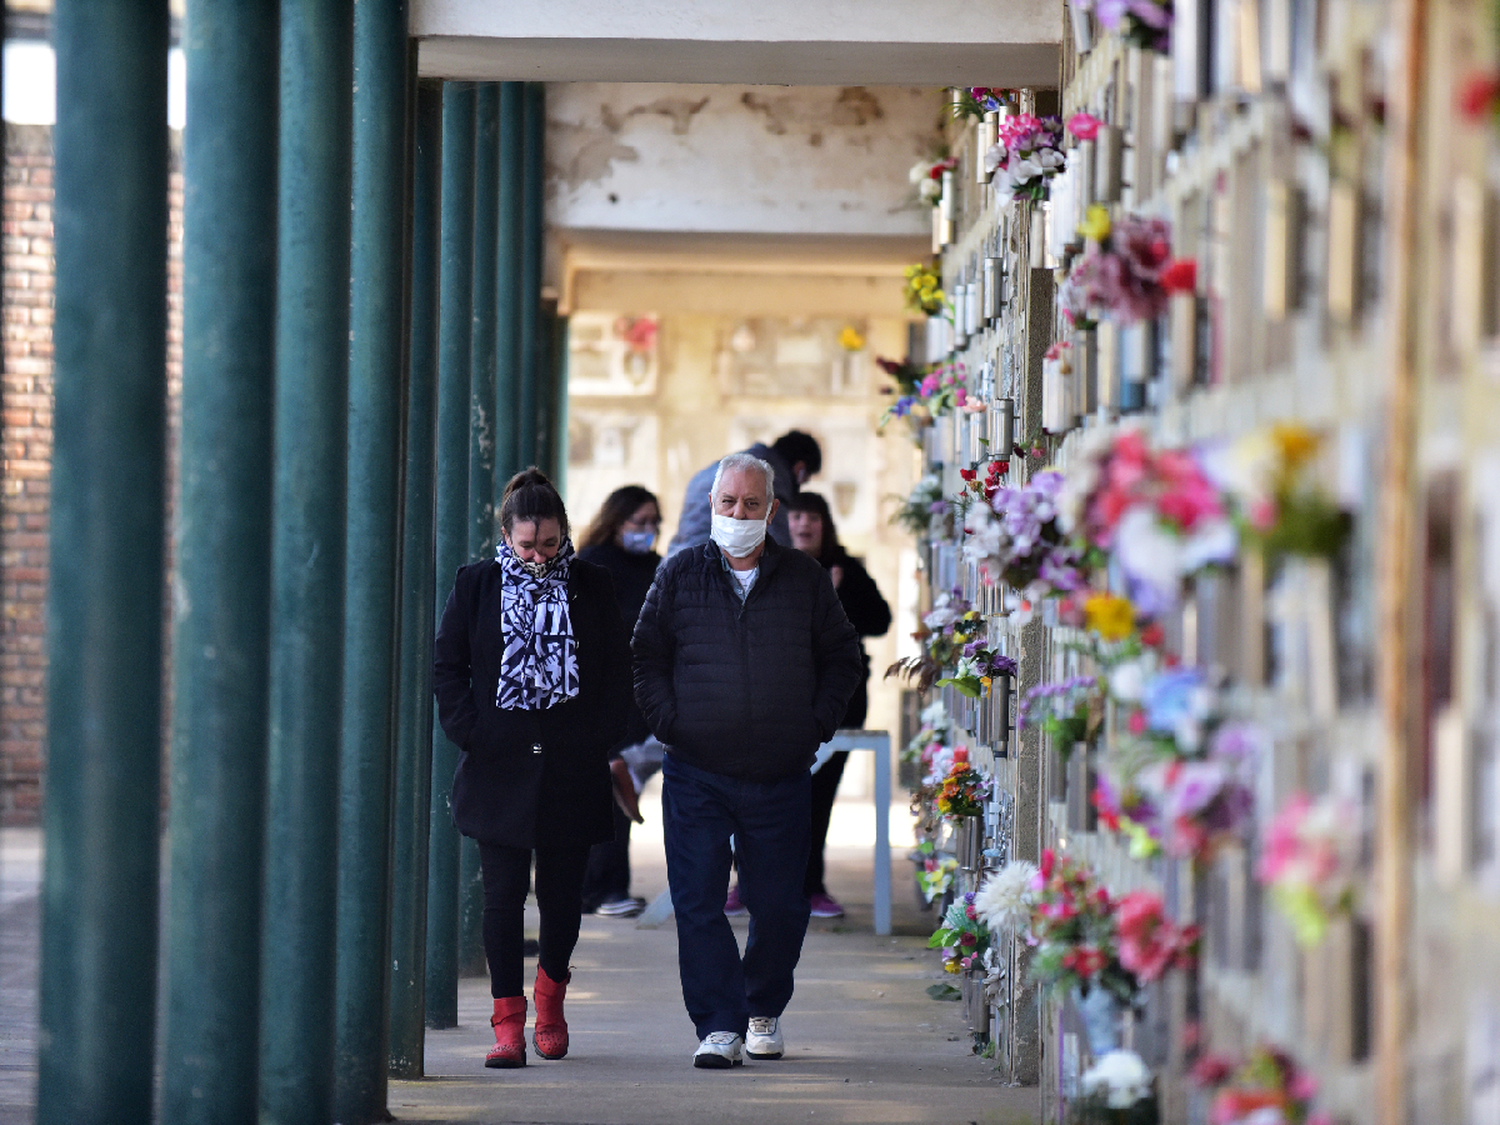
(355, 389)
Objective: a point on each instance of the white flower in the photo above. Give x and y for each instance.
(1151, 555)
(1266, 1115)
(930, 189)
(943, 614)
(921, 170)
(935, 715)
(1024, 170)
(1005, 897)
(984, 535)
(992, 157)
(1127, 682)
(1121, 1077)
(1212, 541)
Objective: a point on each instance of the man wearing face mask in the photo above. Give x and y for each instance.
(794, 457)
(744, 665)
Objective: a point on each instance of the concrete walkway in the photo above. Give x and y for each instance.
(864, 1042)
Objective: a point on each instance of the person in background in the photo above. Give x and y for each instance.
(794, 457)
(813, 531)
(621, 540)
(532, 678)
(744, 663)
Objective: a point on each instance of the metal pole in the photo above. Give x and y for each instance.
(223, 564)
(307, 566)
(414, 692)
(454, 323)
(104, 604)
(508, 290)
(533, 134)
(482, 492)
(377, 341)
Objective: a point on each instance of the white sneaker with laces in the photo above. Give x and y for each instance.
(764, 1038)
(719, 1051)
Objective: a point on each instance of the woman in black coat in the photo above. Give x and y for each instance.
(621, 540)
(531, 670)
(813, 531)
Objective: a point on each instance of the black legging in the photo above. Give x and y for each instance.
(825, 786)
(559, 885)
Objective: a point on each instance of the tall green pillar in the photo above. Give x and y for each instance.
(221, 612)
(482, 493)
(558, 363)
(377, 378)
(307, 567)
(456, 269)
(102, 816)
(533, 180)
(508, 291)
(414, 652)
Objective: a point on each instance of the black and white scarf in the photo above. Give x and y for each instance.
(540, 665)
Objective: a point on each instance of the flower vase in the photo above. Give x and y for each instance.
(1103, 1018)
(968, 841)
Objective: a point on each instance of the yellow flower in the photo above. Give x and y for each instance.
(850, 339)
(1111, 617)
(1297, 444)
(1095, 225)
(951, 965)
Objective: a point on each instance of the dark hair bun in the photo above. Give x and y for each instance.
(531, 497)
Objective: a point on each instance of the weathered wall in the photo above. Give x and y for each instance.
(737, 159)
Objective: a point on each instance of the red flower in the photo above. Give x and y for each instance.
(1153, 635)
(968, 474)
(1213, 1070)
(1049, 860)
(1478, 95)
(1180, 276)
(1084, 126)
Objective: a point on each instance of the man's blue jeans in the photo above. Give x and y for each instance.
(770, 823)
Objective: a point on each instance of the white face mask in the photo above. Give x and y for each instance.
(737, 537)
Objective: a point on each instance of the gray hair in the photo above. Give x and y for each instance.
(742, 461)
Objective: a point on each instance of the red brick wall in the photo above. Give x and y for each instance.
(26, 447)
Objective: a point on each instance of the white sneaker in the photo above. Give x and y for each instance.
(763, 1041)
(719, 1051)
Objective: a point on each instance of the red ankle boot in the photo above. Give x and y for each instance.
(550, 1036)
(509, 1022)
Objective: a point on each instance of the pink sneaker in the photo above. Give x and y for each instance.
(825, 906)
(733, 907)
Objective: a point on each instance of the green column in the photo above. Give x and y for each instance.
(104, 602)
(456, 247)
(546, 381)
(482, 494)
(307, 567)
(533, 179)
(221, 619)
(508, 290)
(414, 652)
(559, 364)
(377, 377)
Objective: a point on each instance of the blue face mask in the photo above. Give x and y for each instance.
(638, 542)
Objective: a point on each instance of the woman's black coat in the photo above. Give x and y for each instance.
(632, 575)
(870, 615)
(531, 779)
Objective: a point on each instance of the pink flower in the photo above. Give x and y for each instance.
(929, 386)
(1084, 126)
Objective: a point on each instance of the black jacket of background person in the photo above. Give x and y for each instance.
(632, 575)
(868, 613)
(744, 689)
(504, 791)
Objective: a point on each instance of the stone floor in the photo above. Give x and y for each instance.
(864, 1042)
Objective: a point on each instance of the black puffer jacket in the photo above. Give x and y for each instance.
(744, 689)
(531, 778)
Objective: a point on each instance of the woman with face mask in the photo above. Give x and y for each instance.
(531, 670)
(622, 539)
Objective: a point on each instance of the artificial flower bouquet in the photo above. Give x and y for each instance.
(1156, 513)
(1268, 1088)
(977, 669)
(906, 374)
(1017, 538)
(1145, 23)
(1125, 273)
(1311, 863)
(1071, 711)
(924, 289)
(923, 510)
(1073, 926)
(1181, 780)
(965, 790)
(1279, 506)
(937, 873)
(946, 630)
(962, 936)
(1026, 156)
(940, 391)
(1116, 1090)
